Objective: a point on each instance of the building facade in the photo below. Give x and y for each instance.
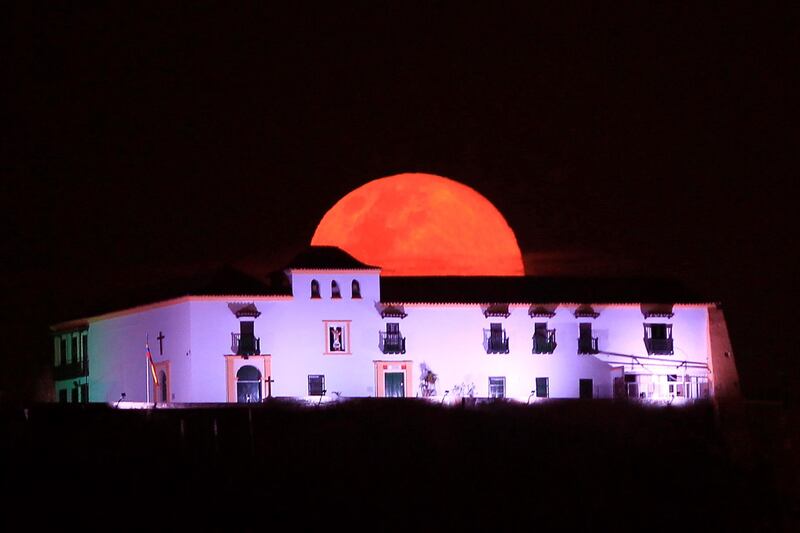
(336, 328)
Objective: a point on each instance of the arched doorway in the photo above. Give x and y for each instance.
(248, 385)
(162, 387)
(162, 392)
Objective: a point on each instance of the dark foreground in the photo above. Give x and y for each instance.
(401, 465)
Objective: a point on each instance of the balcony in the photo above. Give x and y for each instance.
(587, 345)
(658, 346)
(247, 345)
(544, 341)
(72, 370)
(391, 343)
(495, 341)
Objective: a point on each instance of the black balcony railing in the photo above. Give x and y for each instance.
(587, 345)
(658, 346)
(391, 342)
(544, 342)
(72, 370)
(245, 345)
(495, 341)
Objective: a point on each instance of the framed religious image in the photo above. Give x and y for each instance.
(337, 336)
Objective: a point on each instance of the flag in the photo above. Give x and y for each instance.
(150, 360)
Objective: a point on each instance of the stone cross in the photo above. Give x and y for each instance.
(269, 382)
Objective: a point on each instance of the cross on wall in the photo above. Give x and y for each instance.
(160, 343)
(269, 381)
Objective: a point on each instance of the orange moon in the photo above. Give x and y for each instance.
(422, 225)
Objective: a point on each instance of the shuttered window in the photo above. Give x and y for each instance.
(316, 385)
(542, 387)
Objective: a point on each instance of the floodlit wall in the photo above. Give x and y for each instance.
(620, 330)
(213, 322)
(449, 339)
(293, 331)
(301, 341)
(117, 356)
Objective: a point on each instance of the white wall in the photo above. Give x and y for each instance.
(292, 331)
(449, 340)
(446, 338)
(117, 356)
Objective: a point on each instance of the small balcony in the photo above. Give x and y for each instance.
(495, 341)
(72, 370)
(544, 341)
(245, 345)
(587, 345)
(658, 346)
(391, 343)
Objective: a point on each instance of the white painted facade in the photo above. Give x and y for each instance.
(447, 338)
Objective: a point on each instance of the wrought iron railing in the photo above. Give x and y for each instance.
(587, 345)
(247, 345)
(391, 342)
(495, 341)
(545, 342)
(72, 370)
(658, 346)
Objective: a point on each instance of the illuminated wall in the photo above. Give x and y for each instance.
(447, 338)
(117, 352)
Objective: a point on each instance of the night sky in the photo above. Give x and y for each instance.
(145, 142)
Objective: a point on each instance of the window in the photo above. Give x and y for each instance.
(544, 340)
(75, 391)
(247, 343)
(70, 356)
(356, 289)
(391, 341)
(586, 343)
(85, 392)
(497, 387)
(658, 331)
(314, 288)
(62, 396)
(335, 293)
(84, 347)
(316, 385)
(542, 387)
(74, 345)
(675, 386)
(631, 386)
(658, 339)
(496, 341)
(586, 389)
(337, 337)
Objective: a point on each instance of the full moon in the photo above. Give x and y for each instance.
(422, 225)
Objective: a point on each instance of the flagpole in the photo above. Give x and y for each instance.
(147, 370)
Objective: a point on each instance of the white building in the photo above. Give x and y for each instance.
(336, 328)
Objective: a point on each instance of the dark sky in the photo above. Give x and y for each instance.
(141, 142)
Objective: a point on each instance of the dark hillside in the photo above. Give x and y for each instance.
(398, 465)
